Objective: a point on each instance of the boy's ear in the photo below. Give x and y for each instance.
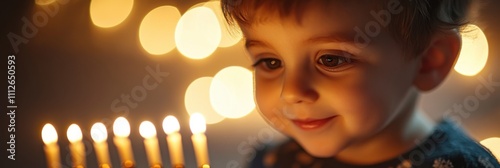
(437, 60)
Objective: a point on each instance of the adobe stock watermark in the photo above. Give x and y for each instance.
(471, 103)
(29, 29)
(121, 106)
(487, 86)
(373, 28)
(249, 147)
(31, 25)
(138, 93)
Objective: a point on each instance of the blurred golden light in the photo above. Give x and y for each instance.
(197, 123)
(197, 100)
(474, 52)
(44, 2)
(493, 144)
(231, 92)
(198, 33)
(157, 30)
(49, 134)
(229, 36)
(171, 125)
(74, 133)
(98, 132)
(147, 129)
(109, 13)
(121, 127)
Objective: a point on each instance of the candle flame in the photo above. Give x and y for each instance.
(171, 125)
(74, 133)
(98, 132)
(121, 127)
(197, 123)
(49, 134)
(147, 129)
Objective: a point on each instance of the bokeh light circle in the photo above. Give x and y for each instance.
(231, 92)
(230, 35)
(197, 100)
(198, 33)
(474, 53)
(109, 13)
(493, 144)
(157, 30)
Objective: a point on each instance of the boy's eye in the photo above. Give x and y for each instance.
(332, 62)
(269, 63)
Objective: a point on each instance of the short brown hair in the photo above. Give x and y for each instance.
(413, 27)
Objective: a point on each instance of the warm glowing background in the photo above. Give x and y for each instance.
(80, 64)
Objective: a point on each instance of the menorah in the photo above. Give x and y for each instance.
(121, 130)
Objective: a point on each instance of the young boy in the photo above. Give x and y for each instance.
(342, 77)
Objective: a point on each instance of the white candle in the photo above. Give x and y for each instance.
(198, 127)
(49, 137)
(174, 140)
(99, 134)
(148, 132)
(121, 129)
(77, 148)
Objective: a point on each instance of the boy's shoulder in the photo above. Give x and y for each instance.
(447, 147)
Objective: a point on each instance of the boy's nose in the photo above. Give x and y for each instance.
(297, 88)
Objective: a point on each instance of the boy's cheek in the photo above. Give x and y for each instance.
(267, 92)
(360, 109)
(268, 103)
(277, 123)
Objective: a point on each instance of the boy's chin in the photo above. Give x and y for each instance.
(320, 150)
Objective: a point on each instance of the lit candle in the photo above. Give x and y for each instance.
(99, 134)
(76, 147)
(121, 129)
(49, 137)
(198, 127)
(174, 140)
(148, 132)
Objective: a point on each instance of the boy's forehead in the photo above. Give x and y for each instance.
(333, 16)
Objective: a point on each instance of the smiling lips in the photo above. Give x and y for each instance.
(310, 124)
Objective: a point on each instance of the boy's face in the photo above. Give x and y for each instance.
(314, 84)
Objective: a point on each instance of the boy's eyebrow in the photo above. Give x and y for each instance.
(250, 43)
(345, 37)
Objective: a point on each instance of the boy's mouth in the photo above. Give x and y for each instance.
(309, 124)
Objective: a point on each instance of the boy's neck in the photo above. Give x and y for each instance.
(396, 139)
